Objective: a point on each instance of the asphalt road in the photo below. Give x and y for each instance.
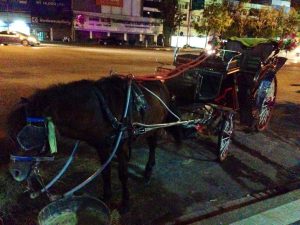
(186, 179)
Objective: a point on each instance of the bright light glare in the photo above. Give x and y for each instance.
(196, 42)
(208, 47)
(3, 26)
(210, 52)
(20, 26)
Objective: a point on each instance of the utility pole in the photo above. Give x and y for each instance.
(189, 22)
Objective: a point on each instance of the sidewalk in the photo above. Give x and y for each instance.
(279, 210)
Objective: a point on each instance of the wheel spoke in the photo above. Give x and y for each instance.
(224, 145)
(225, 136)
(264, 112)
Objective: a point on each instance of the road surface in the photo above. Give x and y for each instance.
(187, 178)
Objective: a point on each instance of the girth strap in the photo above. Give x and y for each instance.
(103, 104)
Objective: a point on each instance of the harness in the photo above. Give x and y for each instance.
(134, 94)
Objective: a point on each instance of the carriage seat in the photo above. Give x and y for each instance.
(197, 85)
(255, 51)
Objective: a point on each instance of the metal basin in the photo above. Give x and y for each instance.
(79, 210)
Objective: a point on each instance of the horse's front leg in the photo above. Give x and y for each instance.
(123, 176)
(152, 143)
(106, 175)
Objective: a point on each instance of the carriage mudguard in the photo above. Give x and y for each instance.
(268, 75)
(263, 86)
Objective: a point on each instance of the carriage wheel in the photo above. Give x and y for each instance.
(225, 134)
(264, 98)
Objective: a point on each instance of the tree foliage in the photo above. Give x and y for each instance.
(216, 19)
(241, 20)
(290, 22)
(171, 17)
(235, 20)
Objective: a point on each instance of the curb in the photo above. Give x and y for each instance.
(230, 206)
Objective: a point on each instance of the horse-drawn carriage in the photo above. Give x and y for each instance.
(203, 93)
(238, 81)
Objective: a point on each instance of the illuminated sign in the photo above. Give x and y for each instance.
(118, 3)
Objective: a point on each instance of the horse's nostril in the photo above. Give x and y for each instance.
(17, 173)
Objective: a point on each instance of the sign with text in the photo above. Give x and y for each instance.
(117, 3)
(51, 10)
(35, 20)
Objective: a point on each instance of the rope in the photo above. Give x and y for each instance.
(177, 71)
(161, 101)
(63, 170)
(99, 171)
(163, 125)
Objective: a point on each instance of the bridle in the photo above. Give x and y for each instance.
(31, 126)
(35, 160)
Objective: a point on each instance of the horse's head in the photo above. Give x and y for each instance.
(30, 137)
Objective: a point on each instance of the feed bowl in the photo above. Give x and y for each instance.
(79, 210)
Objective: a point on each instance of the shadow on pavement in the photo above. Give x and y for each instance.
(285, 123)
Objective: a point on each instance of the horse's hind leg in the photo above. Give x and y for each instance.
(123, 176)
(152, 143)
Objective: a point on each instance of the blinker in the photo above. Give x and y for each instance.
(32, 137)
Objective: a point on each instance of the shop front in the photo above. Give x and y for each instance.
(51, 29)
(51, 19)
(133, 30)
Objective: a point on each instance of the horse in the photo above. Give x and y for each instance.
(91, 111)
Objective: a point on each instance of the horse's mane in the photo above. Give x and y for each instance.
(75, 89)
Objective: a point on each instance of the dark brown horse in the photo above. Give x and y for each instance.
(79, 113)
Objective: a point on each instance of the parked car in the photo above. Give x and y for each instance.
(9, 37)
(111, 41)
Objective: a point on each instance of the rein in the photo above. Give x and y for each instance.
(15, 158)
(121, 127)
(116, 145)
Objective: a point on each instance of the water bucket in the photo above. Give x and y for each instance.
(79, 210)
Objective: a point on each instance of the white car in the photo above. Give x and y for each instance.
(9, 37)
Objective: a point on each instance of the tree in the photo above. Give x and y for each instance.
(241, 21)
(290, 22)
(264, 22)
(270, 23)
(216, 19)
(171, 18)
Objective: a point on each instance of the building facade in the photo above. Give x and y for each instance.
(124, 20)
(258, 4)
(47, 19)
(51, 20)
(134, 21)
